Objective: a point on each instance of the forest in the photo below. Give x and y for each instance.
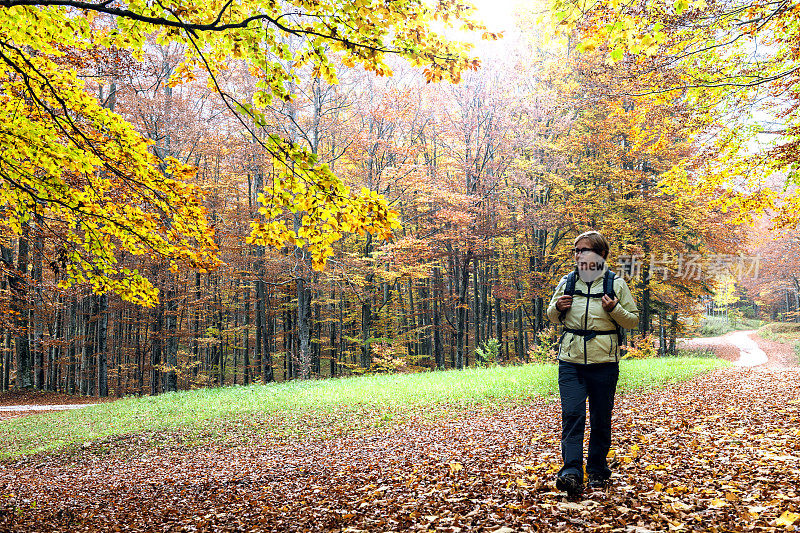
(258, 191)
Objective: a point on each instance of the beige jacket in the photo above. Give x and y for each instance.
(588, 314)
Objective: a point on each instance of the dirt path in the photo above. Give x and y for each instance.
(28, 402)
(746, 349)
(25, 408)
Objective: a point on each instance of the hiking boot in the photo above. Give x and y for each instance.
(595, 481)
(571, 484)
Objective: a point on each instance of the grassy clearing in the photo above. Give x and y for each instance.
(313, 408)
(716, 326)
(699, 351)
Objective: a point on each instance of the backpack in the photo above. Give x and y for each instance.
(608, 288)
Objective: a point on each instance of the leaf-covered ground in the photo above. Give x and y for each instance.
(719, 453)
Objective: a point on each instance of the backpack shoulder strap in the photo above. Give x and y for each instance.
(608, 288)
(608, 284)
(569, 290)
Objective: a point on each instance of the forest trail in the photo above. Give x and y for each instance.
(23, 408)
(746, 348)
(720, 452)
(28, 402)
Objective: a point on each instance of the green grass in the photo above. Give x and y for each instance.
(310, 408)
(716, 326)
(702, 351)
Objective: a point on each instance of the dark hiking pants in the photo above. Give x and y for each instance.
(576, 383)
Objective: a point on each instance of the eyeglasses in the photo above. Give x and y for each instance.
(578, 251)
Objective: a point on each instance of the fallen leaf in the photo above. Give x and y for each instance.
(788, 518)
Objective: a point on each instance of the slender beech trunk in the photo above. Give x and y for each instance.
(196, 361)
(315, 347)
(426, 322)
(303, 328)
(486, 312)
(412, 320)
(438, 350)
(87, 347)
(644, 313)
(72, 369)
(333, 333)
(462, 310)
(246, 337)
(498, 317)
(35, 319)
(7, 257)
(171, 340)
(288, 345)
(476, 295)
(260, 326)
(673, 335)
(268, 329)
(18, 282)
(102, 344)
(366, 310)
(139, 352)
(156, 348)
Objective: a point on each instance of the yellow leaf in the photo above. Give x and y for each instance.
(788, 518)
(718, 502)
(680, 506)
(455, 467)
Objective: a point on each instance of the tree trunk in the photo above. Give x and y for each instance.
(438, 351)
(7, 257)
(156, 348)
(303, 328)
(246, 338)
(102, 344)
(673, 335)
(366, 310)
(477, 307)
(18, 282)
(35, 316)
(268, 328)
(461, 314)
(171, 340)
(333, 333)
(196, 361)
(72, 369)
(498, 317)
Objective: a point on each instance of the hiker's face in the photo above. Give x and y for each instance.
(590, 263)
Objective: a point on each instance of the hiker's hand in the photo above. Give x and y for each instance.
(608, 303)
(564, 303)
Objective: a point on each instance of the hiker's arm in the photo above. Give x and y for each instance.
(625, 313)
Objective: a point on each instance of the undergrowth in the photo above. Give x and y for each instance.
(785, 332)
